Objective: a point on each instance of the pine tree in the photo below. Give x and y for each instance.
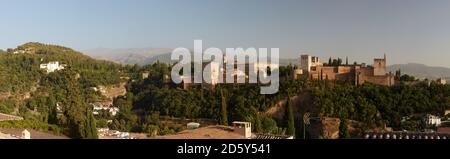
(223, 110)
(290, 118)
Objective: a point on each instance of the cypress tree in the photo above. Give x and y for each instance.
(290, 118)
(258, 125)
(343, 132)
(90, 124)
(81, 123)
(52, 114)
(346, 61)
(223, 110)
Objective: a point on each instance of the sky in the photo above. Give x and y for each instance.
(408, 31)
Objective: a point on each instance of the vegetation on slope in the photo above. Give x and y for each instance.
(29, 91)
(147, 100)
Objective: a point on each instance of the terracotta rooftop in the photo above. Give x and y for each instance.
(270, 137)
(443, 130)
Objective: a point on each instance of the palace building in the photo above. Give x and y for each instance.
(359, 74)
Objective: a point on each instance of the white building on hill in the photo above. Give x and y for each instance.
(99, 107)
(52, 66)
(432, 120)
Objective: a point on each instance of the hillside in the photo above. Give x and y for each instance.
(22, 79)
(422, 71)
(22, 69)
(35, 87)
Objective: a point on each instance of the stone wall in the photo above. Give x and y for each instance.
(333, 73)
(381, 80)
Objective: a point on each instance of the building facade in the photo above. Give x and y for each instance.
(432, 120)
(442, 81)
(308, 62)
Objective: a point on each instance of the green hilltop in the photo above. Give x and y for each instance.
(19, 71)
(33, 93)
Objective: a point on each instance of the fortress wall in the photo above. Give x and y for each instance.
(344, 69)
(382, 80)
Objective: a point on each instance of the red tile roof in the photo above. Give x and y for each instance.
(443, 130)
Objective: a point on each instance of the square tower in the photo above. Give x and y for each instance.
(307, 61)
(379, 66)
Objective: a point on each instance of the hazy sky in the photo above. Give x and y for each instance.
(407, 30)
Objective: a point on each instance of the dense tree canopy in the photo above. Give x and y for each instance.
(362, 103)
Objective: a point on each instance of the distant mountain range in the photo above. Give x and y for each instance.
(151, 55)
(422, 71)
(144, 56)
(131, 56)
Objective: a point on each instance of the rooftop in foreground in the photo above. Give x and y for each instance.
(17, 133)
(219, 132)
(210, 132)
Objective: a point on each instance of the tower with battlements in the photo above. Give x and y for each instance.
(379, 66)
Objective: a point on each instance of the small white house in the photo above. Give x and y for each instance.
(52, 66)
(58, 108)
(113, 111)
(98, 107)
(447, 112)
(26, 134)
(193, 125)
(243, 128)
(18, 52)
(432, 120)
(95, 89)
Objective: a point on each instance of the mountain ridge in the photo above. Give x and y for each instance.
(145, 56)
(126, 55)
(421, 71)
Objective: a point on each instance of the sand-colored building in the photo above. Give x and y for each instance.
(359, 74)
(442, 81)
